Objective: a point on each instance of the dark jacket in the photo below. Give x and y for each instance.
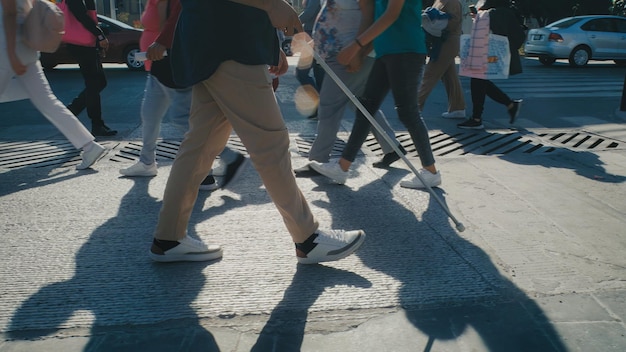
(211, 32)
(504, 21)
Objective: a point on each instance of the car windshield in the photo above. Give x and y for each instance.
(116, 22)
(564, 23)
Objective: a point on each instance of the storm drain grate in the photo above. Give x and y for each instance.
(40, 153)
(491, 143)
(16, 154)
(581, 140)
(166, 150)
(304, 144)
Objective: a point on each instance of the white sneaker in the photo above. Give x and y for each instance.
(432, 180)
(457, 114)
(209, 184)
(91, 156)
(184, 250)
(333, 245)
(140, 170)
(302, 169)
(331, 170)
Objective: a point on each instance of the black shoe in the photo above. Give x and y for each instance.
(471, 124)
(208, 184)
(234, 169)
(305, 171)
(102, 130)
(514, 111)
(389, 159)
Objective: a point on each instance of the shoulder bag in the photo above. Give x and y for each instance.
(75, 32)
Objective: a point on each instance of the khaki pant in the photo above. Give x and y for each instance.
(444, 68)
(238, 97)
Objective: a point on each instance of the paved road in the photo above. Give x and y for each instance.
(555, 97)
(539, 268)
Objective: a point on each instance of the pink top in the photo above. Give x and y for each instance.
(151, 27)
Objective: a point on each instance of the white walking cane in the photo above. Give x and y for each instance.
(357, 103)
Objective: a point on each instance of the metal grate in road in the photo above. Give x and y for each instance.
(166, 150)
(16, 154)
(492, 143)
(581, 140)
(304, 144)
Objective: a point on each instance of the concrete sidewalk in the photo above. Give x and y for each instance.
(541, 266)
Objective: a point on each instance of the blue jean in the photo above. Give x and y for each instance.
(400, 73)
(157, 100)
(333, 103)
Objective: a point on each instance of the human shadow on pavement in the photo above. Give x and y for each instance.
(448, 285)
(22, 179)
(126, 296)
(511, 322)
(584, 163)
(285, 329)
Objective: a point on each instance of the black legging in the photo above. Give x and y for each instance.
(88, 60)
(481, 88)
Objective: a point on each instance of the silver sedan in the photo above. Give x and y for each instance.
(579, 39)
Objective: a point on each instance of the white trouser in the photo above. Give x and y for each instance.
(36, 86)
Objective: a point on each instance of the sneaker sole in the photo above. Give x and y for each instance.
(95, 160)
(481, 127)
(138, 175)
(200, 257)
(321, 172)
(356, 245)
(211, 187)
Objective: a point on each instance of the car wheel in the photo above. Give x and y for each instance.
(131, 61)
(547, 60)
(579, 56)
(46, 62)
(620, 62)
(287, 47)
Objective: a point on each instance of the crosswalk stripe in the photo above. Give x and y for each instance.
(556, 85)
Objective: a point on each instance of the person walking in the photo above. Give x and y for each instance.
(400, 54)
(306, 64)
(162, 94)
(232, 90)
(19, 61)
(498, 17)
(338, 24)
(88, 59)
(441, 64)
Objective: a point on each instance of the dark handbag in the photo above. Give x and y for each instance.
(162, 70)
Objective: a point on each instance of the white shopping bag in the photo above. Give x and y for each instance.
(498, 58)
(13, 92)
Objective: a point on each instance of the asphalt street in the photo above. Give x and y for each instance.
(540, 266)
